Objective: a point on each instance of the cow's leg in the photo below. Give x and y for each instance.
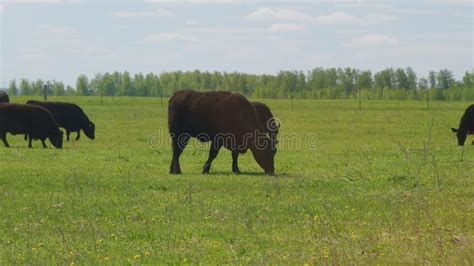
(215, 147)
(78, 135)
(178, 145)
(3, 135)
(44, 143)
(26, 137)
(30, 140)
(235, 162)
(68, 133)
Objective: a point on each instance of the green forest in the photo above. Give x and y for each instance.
(319, 83)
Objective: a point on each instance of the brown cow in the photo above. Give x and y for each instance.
(35, 121)
(4, 97)
(226, 119)
(270, 125)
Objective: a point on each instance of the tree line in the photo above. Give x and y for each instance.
(319, 83)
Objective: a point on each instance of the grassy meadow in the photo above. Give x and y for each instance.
(385, 184)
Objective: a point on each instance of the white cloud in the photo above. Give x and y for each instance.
(160, 1)
(190, 22)
(335, 18)
(90, 50)
(456, 2)
(372, 39)
(41, 1)
(1, 9)
(171, 36)
(143, 14)
(194, 1)
(215, 1)
(32, 54)
(278, 13)
(55, 32)
(63, 39)
(344, 18)
(287, 27)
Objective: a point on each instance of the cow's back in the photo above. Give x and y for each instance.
(23, 118)
(467, 120)
(210, 113)
(67, 115)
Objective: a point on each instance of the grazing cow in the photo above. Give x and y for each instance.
(4, 97)
(270, 125)
(35, 121)
(466, 126)
(226, 119)
(70, 117)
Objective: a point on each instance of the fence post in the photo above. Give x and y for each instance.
(427, 99)
(45, 92)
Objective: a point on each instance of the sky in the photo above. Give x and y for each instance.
(61, 39)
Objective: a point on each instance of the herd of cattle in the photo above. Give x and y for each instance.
(225, 119)
(41, 120)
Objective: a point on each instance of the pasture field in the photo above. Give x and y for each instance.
(387, 184)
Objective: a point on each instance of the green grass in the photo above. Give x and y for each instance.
(385, 184)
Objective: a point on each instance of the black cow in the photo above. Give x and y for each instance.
(4, 97)
(70, 117)
(466, 126)
(35, 121)
(226, 119)
(270, 125)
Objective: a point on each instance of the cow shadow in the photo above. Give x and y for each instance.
(249, 173)
(214, 173)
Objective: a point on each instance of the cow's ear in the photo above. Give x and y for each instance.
(454, 130)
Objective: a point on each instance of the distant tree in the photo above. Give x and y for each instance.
(401, 79)
(412, 80)
(317, 80)
(38, 87)
(364, 80)
(468, 79)
(117, 78)
(83, 86)
(445, 79)
(288, 82)
(58, 88)
(140, 85)
(25, 87)
(347, 77)
(384, 79)
(432, 79)
(96, 84)
(423, 84)
(153, 84)
(108, 85)
(70, 91)
(12, 88)
(125, 87)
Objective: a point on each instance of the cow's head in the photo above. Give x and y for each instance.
(89, 130)
(461, 135)
(264, 150)
(57, 139)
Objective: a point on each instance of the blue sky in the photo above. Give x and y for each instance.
(60, 39)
